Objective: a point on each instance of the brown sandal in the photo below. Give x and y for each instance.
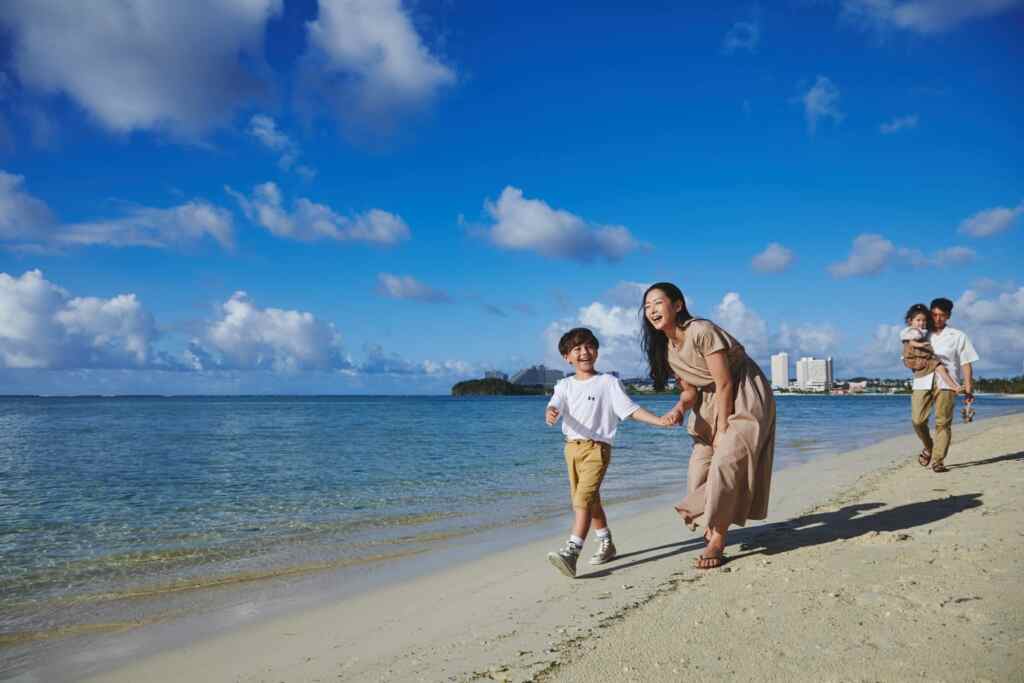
(709, 562)
(939, 467)
(924, 458)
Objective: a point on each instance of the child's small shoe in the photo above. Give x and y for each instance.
(605, 551)
(565, 559)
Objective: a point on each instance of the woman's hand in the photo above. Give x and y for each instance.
(673, 417)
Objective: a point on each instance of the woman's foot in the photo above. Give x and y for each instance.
(707, 536)
(924, 458)
(714, 555)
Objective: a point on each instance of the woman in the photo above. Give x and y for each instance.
(732, 420)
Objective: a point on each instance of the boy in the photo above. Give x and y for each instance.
(591, 405)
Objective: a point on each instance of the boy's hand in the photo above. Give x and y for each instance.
(551, 415)
(672, 417)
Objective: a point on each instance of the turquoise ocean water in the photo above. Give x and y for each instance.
(113, 499)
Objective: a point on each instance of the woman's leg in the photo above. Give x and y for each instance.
(692, 506)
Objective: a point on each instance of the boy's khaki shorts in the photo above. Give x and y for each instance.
(587, 462)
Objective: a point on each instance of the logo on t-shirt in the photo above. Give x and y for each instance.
(591, 398)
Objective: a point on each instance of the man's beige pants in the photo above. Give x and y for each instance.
(921, 402)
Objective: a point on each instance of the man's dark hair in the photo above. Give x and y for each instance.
(575, 337)
(943, 304)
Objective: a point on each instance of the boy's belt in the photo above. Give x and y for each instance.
(603, 443)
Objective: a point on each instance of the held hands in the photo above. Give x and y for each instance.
(551, 415)
(672, 417)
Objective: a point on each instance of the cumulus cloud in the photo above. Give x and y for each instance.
(921, 16)
(144, 64)
(248, 337)
(991, 221)
(380, 362)
(774, 259)
(821, 102)
(820, 339)
(44, 326)
(743, 323)
(995, 326)
(408, 287)
(23, 218)
(532, 225)
(744, 35)
(264, 129)
(899, 123)
(870, 253)
(368, 58)
(309, 221)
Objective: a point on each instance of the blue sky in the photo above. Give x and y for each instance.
(378, 196)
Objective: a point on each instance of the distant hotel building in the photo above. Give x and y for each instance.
(537, 374)
(495, 374)
(814, 374)
(780, 371)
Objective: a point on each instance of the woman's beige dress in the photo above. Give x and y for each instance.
(728, 483)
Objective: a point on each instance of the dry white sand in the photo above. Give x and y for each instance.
(869, 568)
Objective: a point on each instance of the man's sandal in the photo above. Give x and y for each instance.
(709, 562)
(924, 458)
(939, 467)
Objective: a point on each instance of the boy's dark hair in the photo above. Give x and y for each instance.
(943, 304)
(575, 337)
(919, 308)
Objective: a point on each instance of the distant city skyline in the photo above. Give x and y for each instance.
(390, 197)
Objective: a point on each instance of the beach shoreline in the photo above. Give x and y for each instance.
(499, 613)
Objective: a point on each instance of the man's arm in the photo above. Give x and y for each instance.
(968, 369)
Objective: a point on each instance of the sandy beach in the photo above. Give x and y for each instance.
(869, 568)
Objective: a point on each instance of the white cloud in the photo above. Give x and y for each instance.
(951, 256)
(408, 287)
(809, 339)
(264, 129)
(870, 253)
(22, 216)
(774, 259)
(899, 123)
(531, 224)
(371, 60)
(744, 35)
(743, 323)
(820, 102)
(380, 362)
(922, 16)
(157, 228)
(995, 327)
(991, 221)
(43, 326)
(252, 338)
(27, 223)
(309, 221)
(627, 294)
(142, 64)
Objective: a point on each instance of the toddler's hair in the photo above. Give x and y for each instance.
(919, 308)
(575, 337)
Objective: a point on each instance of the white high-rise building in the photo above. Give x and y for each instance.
(780, 371)
(814, 374)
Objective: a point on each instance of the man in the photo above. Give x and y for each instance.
(956, 352)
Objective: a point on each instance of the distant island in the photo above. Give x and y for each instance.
(492, 386)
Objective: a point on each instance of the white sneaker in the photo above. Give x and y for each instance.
(605, 551)
(565, 559)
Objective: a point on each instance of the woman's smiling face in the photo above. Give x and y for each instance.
(660, 310)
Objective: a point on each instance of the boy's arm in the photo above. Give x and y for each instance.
(554, 409)
(647, 417)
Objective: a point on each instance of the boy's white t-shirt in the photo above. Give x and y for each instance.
(593, 408)
(954, 349)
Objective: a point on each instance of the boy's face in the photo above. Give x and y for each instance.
(582, 357)
(919, 321)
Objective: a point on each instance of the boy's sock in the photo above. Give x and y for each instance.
(603, 533)
(576, 540)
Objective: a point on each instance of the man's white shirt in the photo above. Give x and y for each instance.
(953, 349)
(592, 408)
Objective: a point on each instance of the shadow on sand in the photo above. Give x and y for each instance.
(848, 522)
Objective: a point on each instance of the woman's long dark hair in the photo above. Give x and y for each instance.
(920, 308)
(654, 342)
